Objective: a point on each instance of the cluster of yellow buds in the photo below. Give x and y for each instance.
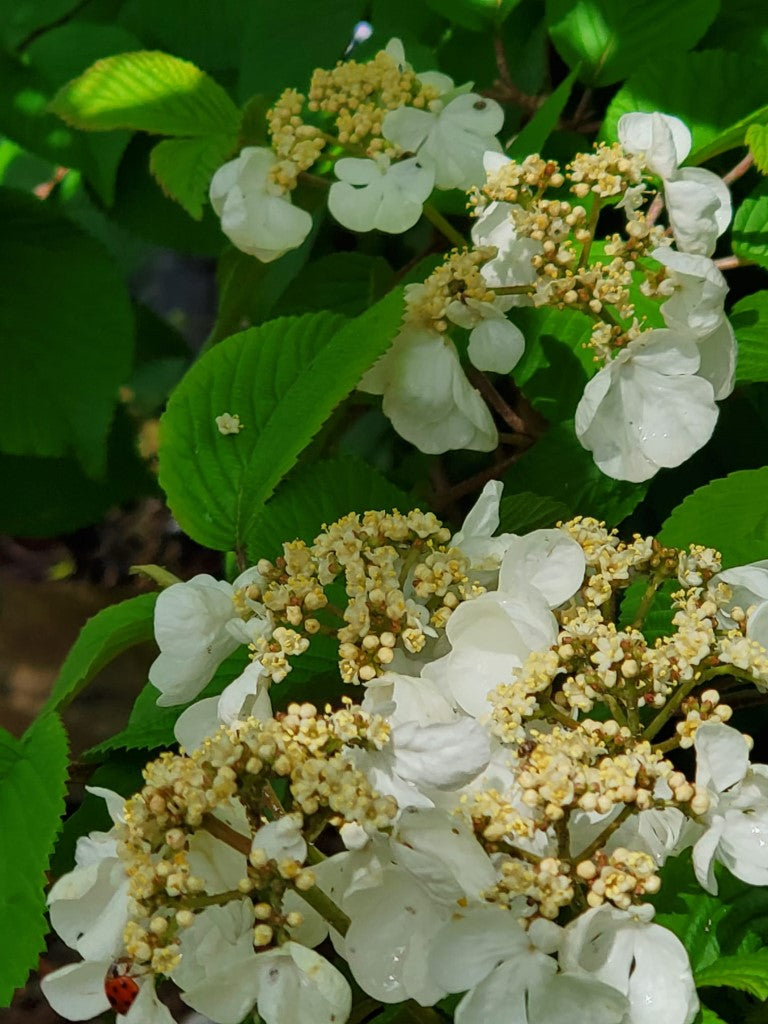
(401, 579)
(192, 807)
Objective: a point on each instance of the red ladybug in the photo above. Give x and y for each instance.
(120, 988)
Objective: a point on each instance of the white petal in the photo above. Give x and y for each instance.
(718, 359)
(548, 560)
(370, 195)
(298, 986)
(482, 520)
(458, 139)
(196, 723)
(704, 855)
(496, 345)
(391, 927)
(693, 207)
(407, 127)
(430, 401)
(281, 839)
(446, 755)
(700, 289)
(76, 991)
(469, 946)
(722, 756)
(147, 1008)
(664, 140)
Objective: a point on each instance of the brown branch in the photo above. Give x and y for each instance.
(740, 169)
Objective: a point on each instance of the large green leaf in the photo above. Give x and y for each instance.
(33, 773)
(22, 19)
(734, 135)
(710, 90)
(750, 322)
(148, 91)
(556, 366)
(608, 37)
(730, 514)
(750, 227)
(283, 380)
(559, 467)
(105, 635)
(316, 494)
(209, 34)
(658, 620)
(66, 335)
(345, 282)
(748, 972)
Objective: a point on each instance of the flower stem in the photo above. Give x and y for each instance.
(646, 601)
(443, 226)
(740, 169)
(220, 830)
(732, 262)
(601, 840)
(494, 399)
(327, 909)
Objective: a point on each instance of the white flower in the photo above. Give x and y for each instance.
(513, 263)
(508, 975)
(427, 396)
(643, 961)
(256, 213)
(494, 342)
(737, 820)
(647, 408)
(89, 905)
(377, 194)
(76, 992)
(451, 137)
(245, 697)
(698, 203)
(493, 635)
(194, 631)
(222, 976)
(696, 307)
(476, 536)
(749, 591)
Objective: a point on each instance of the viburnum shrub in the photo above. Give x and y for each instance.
(462, 727)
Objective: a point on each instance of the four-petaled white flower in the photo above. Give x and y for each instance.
(697, 200)
(645, 962)
(427, 396)
(737, 820)
(256, 213)
(377, 194)
(648, 407)
(451, 137)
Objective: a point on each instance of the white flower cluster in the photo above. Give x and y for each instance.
(392, 136)
(500, 803)
(653, 404)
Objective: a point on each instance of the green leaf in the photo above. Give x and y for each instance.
(710, 90)
(749, 319)
(147, 91)
(756, 138)
(283, 379)
(750, 227)
(521, 513)
(658, 620)
(559, 467)
(61, 297)
(556, 365)
(184, 168)
(151, 727)
(729, 514)
(747, 972)
(533, 137)
(316, 494)
(476, 15)
(729, 138)
(345, 282)
(21, 19)
(609, 36)
(33, 774)
(105, 635)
